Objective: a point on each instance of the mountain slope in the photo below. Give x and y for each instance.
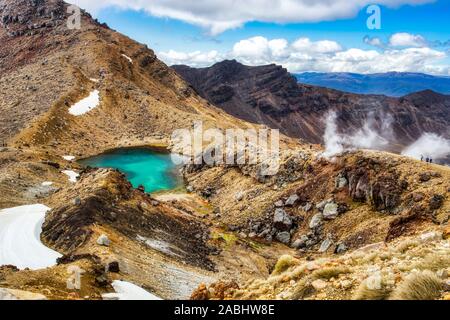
(270, 95)
(48, 68)
(393, 84)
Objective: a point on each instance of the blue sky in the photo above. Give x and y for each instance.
(180, 33)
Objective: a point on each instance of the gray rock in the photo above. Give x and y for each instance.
(307, 207)
(341, 182)
(77, 201)
(300, 243)
(264, 233)
(292, 200)
(326, 244)
(252, 235)
(282, 220)
(316, 221)
(321, 205)
(103, 240)
(330, 211)
(283, 237)
(341, 248)
(239, 196)
(155, 203)
(279, 204)
(190, 189)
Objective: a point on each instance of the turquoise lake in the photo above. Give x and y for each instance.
(151, 169)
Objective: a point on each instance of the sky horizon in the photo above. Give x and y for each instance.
(414, 35)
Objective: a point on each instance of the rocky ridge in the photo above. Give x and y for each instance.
(271, 96)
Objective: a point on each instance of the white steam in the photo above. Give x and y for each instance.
(429, 145)
(367, 137)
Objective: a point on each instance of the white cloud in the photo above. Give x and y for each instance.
(323, 56)
(404, 39)
(194, 59)
(375, 41)
(219, 15)
(324, 46)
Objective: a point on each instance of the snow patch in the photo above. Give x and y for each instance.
(47, 184)
(128, 58)
(86, 105)
(128, 291)
(72, 175)
(69, 158)
(20, 243)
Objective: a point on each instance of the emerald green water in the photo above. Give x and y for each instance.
(153, 170)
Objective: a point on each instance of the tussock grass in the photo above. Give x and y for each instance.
(283, 264)
(423, 285)
(367, 291)
(407, 245)
(330, 272)
(433, 262)
(301, 290)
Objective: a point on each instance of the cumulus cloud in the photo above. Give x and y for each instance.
(304, 54)
(220, 15)
(404, 39)
(194, 59)
(374, 41)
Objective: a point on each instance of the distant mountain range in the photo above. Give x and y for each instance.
(393, 84)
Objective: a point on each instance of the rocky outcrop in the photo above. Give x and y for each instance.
(30, 17)
(126, 210)
(382, 191)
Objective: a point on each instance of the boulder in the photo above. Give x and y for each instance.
(300, 243)
(292, 200)
(340, 248)
(283, 237)
(282, 220)
(321, 205)
(103, 240)
(307, 207)
(326, 244)
(316, 221)
(330, 211)
(279, 204)
(341, 181)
